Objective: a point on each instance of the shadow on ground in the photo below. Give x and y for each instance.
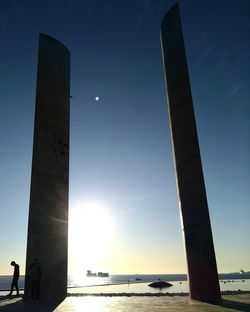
(16, 304)
(236, 305)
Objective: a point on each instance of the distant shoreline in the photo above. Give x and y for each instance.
(180, 294)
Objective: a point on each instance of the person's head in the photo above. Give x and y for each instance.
(13, 263)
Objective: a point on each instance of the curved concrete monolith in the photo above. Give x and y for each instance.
(48, 211)
(201, 262)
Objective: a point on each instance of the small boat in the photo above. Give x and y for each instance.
(160, 284)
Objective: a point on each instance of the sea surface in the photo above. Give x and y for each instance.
(137, 283)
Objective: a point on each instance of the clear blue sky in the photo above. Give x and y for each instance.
(121, 163)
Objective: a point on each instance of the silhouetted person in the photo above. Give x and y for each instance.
(15, 278)
(34, 275)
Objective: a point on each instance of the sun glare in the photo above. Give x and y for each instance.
(90, 235)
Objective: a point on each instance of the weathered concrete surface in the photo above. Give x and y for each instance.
(132, 304)
(202, 269)
(48, 211)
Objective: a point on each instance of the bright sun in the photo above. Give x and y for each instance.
(90, 235)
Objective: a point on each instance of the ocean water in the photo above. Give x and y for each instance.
(126, 284)
(134, 283)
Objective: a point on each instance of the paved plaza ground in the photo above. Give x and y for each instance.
(239, 302)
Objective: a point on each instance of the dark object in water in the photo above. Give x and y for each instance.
(160, 284)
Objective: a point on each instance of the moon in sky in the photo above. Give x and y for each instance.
(97, 98)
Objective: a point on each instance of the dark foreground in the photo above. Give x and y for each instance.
(130, 303)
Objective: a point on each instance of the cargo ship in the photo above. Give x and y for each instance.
(98, 274)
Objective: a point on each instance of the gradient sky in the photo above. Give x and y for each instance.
(121, 163)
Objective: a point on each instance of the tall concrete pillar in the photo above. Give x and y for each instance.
(198, 241)
(48, 211)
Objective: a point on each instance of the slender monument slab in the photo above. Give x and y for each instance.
(202, 269)
(48, 210)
